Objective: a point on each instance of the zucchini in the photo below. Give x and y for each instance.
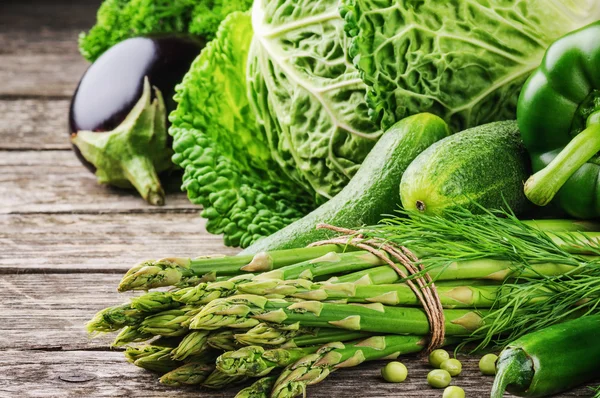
(372, 192)
(551, 360)
(484, 166)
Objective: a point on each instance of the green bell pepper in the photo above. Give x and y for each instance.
(559, 118)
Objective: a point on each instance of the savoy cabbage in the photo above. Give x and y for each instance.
(464, 60)
(271, 118)
(227, 164)
(122, 19)
(308, 97)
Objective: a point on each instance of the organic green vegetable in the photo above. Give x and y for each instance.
(437, 357)
(255, 361)
(243, 311)
(217, 380)
(270, 335)
(308, 99)
(227, 163)
(259, 389)
(192, 373)
(554, 277)
(373, 190)
(186, 271)
(487, 364)
(394, 372)
(439, 378)
(151, 357)
(464, 60)
(550, 360)
(559, 118)
(483, 167)
(452, 366)
(471, 294)
(121, 19)
(193, 344)
(453, 392)
(316, 367)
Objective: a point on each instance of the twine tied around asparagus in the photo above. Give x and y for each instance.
(424, 288)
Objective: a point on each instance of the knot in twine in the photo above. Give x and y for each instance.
(424, 288)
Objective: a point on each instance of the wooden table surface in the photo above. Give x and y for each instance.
(65, 241)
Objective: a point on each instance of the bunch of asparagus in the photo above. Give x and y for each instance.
(287, 319)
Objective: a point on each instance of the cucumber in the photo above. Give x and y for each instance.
(371, 193)
(487, 165)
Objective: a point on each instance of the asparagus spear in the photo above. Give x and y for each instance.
(207, 291)
(114, 318)
(249, 310)
(259, 389)
(255, 361)
(314, 368)
(276, 336)
(130, 334)
(223, 340)
(169, 323)
(217, 380)
(330, 264)
(152, 357)
(193, 344)
(192, 373)
(451, 295)
(184, 271)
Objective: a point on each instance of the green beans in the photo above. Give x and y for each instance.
(439, 378)
(394, 372)
(437, 357)
(487, 364)
(454, 392)
(452, 366)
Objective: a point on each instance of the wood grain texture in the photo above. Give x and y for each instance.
(34, 124)
(100, 242)
(56, 182)
(41, 374)
(38, 52)
(49, 311)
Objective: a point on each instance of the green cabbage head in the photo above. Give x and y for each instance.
(464, 60)
(308, 97)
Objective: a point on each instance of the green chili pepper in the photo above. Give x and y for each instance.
(559, 119)
(551, 360)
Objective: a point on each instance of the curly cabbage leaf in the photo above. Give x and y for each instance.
(464, 60)
(228, 168)
(122, 19)
(308, 97)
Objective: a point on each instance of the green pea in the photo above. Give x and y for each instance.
(439, 378)
(437, 357)
(453, 366)
(487, 364)
(454, 392)
(394, 372)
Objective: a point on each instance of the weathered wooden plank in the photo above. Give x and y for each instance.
(34, 124)
(38, 46)
(42, 374)
(49, 311)
(38, 17)
(55, 181)
(105, 242)
(40, 75)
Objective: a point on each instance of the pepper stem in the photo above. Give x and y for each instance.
(514, 371)
(541, 187)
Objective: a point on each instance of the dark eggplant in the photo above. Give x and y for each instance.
(118, 116)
